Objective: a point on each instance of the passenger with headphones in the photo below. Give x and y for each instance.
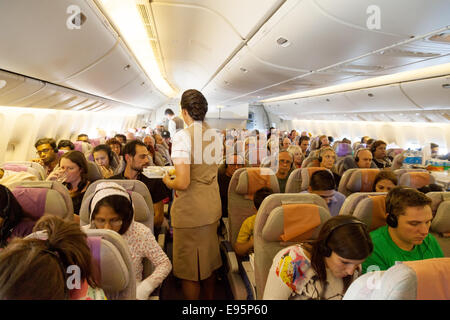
(38, 267)
(327, 159)
(406, 236)
(111, 208)
(225, 172)
(107, 160)
(285, 167)
(380, 158)
(362, 159)
(324, 269)
(48, 154)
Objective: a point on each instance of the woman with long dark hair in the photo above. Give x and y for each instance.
(325, 269)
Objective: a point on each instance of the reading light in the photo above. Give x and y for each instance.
(2, 83)
(446, 86)
(125, 17)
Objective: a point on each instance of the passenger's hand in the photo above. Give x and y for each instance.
(38, 160)
(166, 179)
(144, 289)
(57, 174)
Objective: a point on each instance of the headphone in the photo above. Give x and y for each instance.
(8, 201)
(323, 150)
(323, 248)
(358, 151)
(391, 219)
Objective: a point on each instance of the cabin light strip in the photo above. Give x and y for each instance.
(126, 18)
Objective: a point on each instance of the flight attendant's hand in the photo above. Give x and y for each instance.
(166, 179)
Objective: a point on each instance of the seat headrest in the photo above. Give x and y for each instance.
(306, 174)
(294, 222)
(362, 180)
(433, 278)
(253, 179)
(94, 173)
(37, 201)
(441, 220)
(372, 211)
(343, 149)
(415, 179)
(117, 278)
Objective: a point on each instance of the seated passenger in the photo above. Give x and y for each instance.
(106, 160)
(385, 181)
(39, 268)
(363, 159)
(296, 153)
(136, 158)
(66, 145)
(323, 141)
(122, 138)
(378, 149)
(322, 183)
(285, 160)
(156, 158)
(327, 159)
(324, 270)
(14, 221)
(72, 172)
(304, 145)
(83, 137)
(434, 150)
(244, 241)
(48, 154)
(111, 208)
(163, 149)
(286, 143)
(406, 236)
(115, 146)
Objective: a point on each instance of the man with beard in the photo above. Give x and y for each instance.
(48, 154)
(137, 158)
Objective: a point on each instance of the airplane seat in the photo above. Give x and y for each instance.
(244, 183)
(314, 143)
(350, 203)
(357, 180)
(416, 179)
(284, 220)
(399, 172)
(84, 147)
(113, 256)
(298, 180)
(342, 149)
(409, 280)
(31, 167)
(143, 209)
(372, 211)
(356, 145)
(40, 197)
(440, 226)
(94, 172)
(349, 162)
(95, 142)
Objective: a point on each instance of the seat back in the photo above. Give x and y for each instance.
(27, 166)
(415, 179)
(357, 180)
(140, 196)
(440, 226)
(39, 197)
(84, 147)
(282, 220)
(411, 280)
(94, 172)
(112, 254)
(298, 180)
(244, 183)
(400, 172)
(342, 149)
(350, 203)
(372, 211)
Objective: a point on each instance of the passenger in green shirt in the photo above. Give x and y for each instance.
(406, 237)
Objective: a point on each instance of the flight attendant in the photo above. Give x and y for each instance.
(196, 208)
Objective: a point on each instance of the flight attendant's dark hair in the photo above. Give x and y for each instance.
(195, 104)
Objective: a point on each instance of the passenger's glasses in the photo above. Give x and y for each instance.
(100, 223)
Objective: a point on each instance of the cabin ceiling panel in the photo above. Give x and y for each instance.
(116, 64)
(396, 17)
(243, 19)
(26, 88)
(196, 35)
(310, 47)
(51, 52)
(430, 94)
(384, 98)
